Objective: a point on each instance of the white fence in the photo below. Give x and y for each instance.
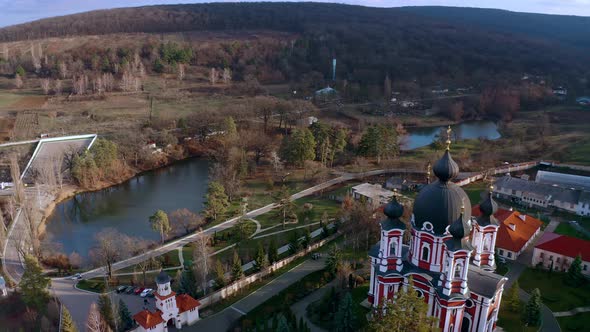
(240, 284)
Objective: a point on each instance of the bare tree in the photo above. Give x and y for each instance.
(19, 189)
(226, 76)
(95, 323)
(181, 71)
(186, 219)
(3, 231)
(63, 70)
(201, 260)
(111, 246)
(57, 87)
(32, 218)
(213, 76)
(108, 81)
(45, 85)
(148, 265)
(18, 81)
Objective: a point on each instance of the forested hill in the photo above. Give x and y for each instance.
(369, 43)
(573, 30)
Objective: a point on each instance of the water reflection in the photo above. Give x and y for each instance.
(419, 137)
(127, 207)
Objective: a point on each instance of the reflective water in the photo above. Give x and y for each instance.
(419, 137)
(127, 206)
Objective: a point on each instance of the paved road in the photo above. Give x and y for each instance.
(78, 302)
(223, 320)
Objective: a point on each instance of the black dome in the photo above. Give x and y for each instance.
(446, 168)
(488, 207)
(162, 278)
(440, 202)
(393, 209)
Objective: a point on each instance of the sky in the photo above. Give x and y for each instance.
(20, 11)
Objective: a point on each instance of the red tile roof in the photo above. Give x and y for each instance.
(565, 245)
(507, 238)
(148, 319)
(185, 302)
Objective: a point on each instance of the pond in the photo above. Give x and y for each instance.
(128, 206)
(423, 136)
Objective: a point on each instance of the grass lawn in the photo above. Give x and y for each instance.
(579, 322)
(320, 204)
(564, 228)
(511, 321)
(555, 293)
(169, 259)
(474, 191)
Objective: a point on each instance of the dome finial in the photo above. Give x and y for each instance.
(449, 131)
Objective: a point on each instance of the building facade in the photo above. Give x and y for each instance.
(516, 232)
(171, 309)
(557, 252)
(450, 256)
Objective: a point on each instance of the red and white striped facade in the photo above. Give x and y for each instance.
(441, 274)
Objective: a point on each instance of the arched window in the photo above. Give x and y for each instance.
(486, 242)
(392, 247)
(458, 270)
(425, 253)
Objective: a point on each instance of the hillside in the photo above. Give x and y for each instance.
(429, 44)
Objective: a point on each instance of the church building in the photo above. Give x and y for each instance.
(171, 309)
(450, 256)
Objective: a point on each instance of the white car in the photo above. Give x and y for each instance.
(145, 292)
(76, 276)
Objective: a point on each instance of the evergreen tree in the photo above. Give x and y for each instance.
(294, 242)
(345, 319)
(283, 325)
(20, 71)
(236, 269)
(188, 282)
(231, 130)
(574, 276)
(219, 274)
(217, 201)
(160, 223)
(378, 142)
(532, 313)
(407, 313)
(512, 300)
(67, 323)
(33, 285)
(306, 242)
(298, 147)
(261, 259)
(105, 308)
(125, 319)
(334, 261)
(273, 252)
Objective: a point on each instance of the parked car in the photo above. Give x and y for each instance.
(138, 290)
(145, 292)
(76, 276)
(152, 294)
(121, 289)
(130, 290)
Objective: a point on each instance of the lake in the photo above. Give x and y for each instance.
(128, 206)
(423, 136)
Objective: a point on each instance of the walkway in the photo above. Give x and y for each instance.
(572, 312)
(223, 320)
(300, 308)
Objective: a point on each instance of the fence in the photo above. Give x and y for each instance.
(240, 284)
